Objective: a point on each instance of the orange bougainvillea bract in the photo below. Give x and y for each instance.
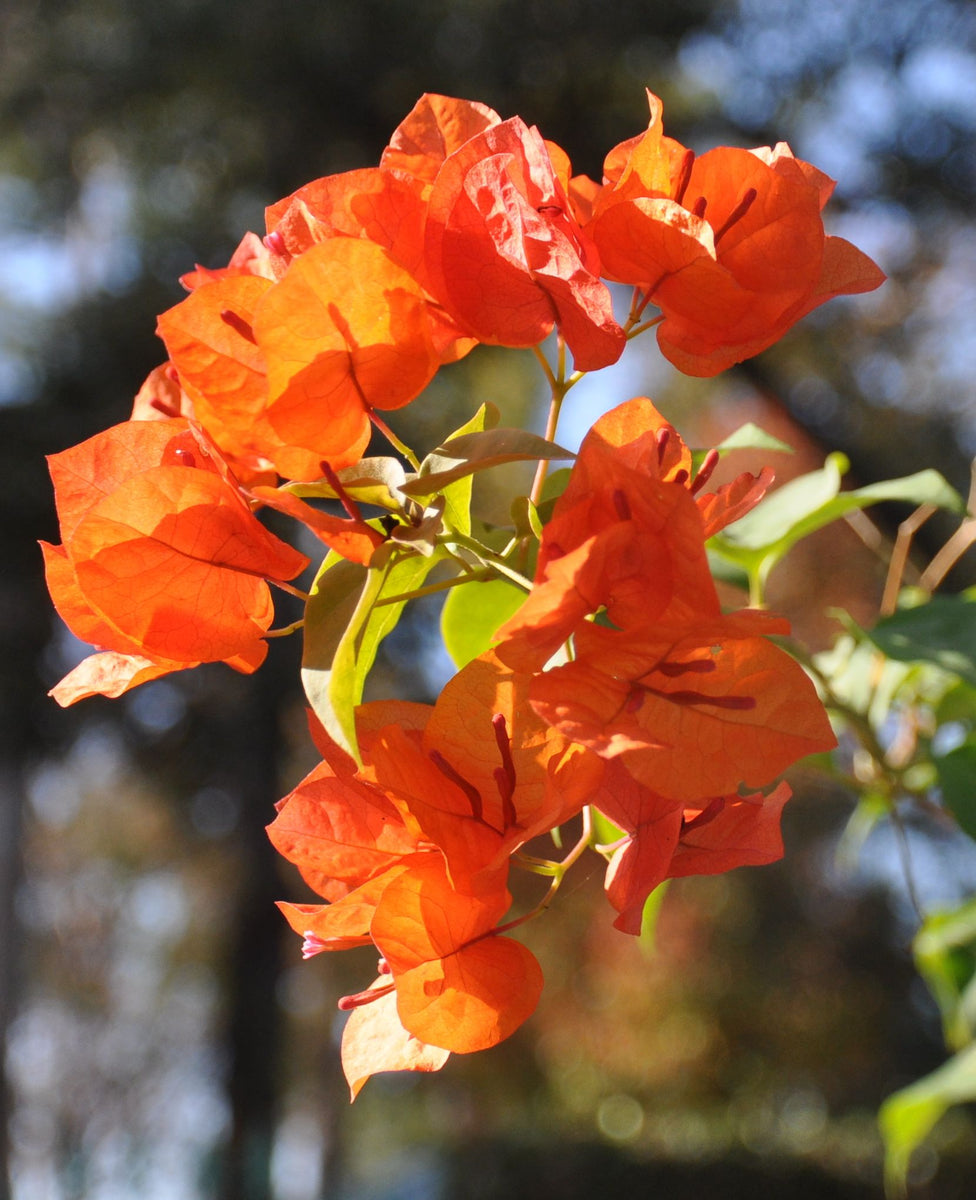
(621, 692)
(162, 558)
(729, 245)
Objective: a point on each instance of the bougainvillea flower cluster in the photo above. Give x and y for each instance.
(619, 693)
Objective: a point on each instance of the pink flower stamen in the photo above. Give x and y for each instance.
(276, 243)
(358, 999)
(621, 504)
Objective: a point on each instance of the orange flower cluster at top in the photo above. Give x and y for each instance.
(619, 684)
(472, 229)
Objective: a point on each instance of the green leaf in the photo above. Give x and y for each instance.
(457, 495)
(344, 625)
(525, 518)
(955, 927)
(943, 632)
(957, 780)
(472, 452)
(751, 437)
(775, 518)
(371, 481)
(957, 704)
(331, 607)
(944, 954)
(907, 1117)
(649, 918)
(924, 487)
(869, 810)
(763, 536)
(472, 613)
(555, 484)
(856, 674)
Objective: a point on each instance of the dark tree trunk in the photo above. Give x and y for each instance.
(252, 1033)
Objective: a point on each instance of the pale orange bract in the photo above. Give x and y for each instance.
(458, 985)
(374, 1040)
(434, 128)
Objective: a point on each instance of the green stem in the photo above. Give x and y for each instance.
(488, 557)
(904, 852)
(857, 720)
(757, 597)
(632, 333)
(559, 385)
(431, 589)
(394, 441)
(538, 866)
(285, 630)
(559, 871)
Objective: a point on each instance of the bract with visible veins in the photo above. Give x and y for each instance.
(691, 711)
(487, 775)
(431, 132)
(458, 985)
(627, 535)
(504, 254)
(368, 203)
(344, 331)
(210, 340)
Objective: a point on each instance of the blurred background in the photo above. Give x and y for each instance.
(163, 1038)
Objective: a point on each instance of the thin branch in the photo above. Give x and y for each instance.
(559, 873)
(904, 852)
(949, 555)
(957, 545)
(394, 441)
(899, 556)
(632, 333)
(544, 363)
